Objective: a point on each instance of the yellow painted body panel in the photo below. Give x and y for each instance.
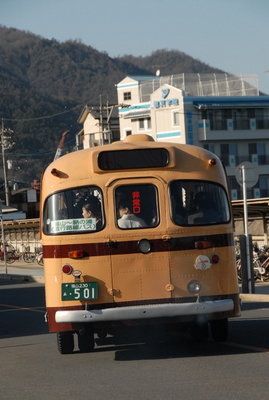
(137, 277)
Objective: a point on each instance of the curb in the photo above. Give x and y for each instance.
(25, 278)
(264, 298)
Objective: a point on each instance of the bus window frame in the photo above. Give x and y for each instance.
(136, 184)
(74, 232)
(200, 223)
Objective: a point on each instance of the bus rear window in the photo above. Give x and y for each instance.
(133, 159)
(136, 206)
(75, 210)
(198, 203)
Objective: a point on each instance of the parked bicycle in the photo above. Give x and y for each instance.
(39, 258)
(260, 263)
(31, 257)
(11, 254)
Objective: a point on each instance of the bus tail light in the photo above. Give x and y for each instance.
(76, 254)
(202, 245)
(67, 269)
(214, 259)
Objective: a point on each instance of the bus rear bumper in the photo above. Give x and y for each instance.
(144, 312)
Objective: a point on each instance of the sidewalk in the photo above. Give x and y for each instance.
(261, 293)
(31, 272)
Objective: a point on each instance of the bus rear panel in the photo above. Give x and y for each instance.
(157, 249)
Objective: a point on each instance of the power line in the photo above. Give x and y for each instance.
(48, 116)
(39, 118)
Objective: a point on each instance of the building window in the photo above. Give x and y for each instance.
(218, 119)
(127, 96)
(235, 188)
(257, 153)
(209, 147)
(241, 119)
(262, 118)
(141, 124)
(128, 133)
(228, 154)
(234, 185)
(176, 118)
(263, 184)
(144, 124)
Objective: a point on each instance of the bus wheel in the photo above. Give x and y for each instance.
(219, 330)
(199, 332)
(65, 341)
(86, 340)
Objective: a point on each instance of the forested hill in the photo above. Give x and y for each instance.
(44, 85)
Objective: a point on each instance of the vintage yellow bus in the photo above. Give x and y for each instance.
(137, 233)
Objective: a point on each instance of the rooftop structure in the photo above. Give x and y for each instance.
(201, 84)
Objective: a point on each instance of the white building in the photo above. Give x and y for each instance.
(224, 114)
(100, 126)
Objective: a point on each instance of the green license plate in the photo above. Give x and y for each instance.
(80, 291)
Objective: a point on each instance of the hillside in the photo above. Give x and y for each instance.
(44, 85)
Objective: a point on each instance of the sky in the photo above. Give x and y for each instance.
(232, 35)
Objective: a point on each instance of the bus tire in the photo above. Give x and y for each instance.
(86, 340)
(219, 330)
(65, 341)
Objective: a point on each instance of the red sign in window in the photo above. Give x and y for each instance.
(136, 202)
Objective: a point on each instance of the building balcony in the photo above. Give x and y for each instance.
(252, 193)
(233, 129)
(233, 161)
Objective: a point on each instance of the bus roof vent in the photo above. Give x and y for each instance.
(139, 137)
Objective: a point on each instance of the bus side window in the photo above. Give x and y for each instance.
(136, 206)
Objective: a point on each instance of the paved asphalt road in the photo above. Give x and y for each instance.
(31, 367)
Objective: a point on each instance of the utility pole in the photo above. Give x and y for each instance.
(101, 121)
(4, 164)
(6, 143)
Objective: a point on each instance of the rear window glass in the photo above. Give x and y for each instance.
(136, 206)
(198, 203)
(75, 210)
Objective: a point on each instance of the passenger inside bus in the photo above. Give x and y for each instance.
(128, 220)
(195, 202)
(203, 210)
(92, 209)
